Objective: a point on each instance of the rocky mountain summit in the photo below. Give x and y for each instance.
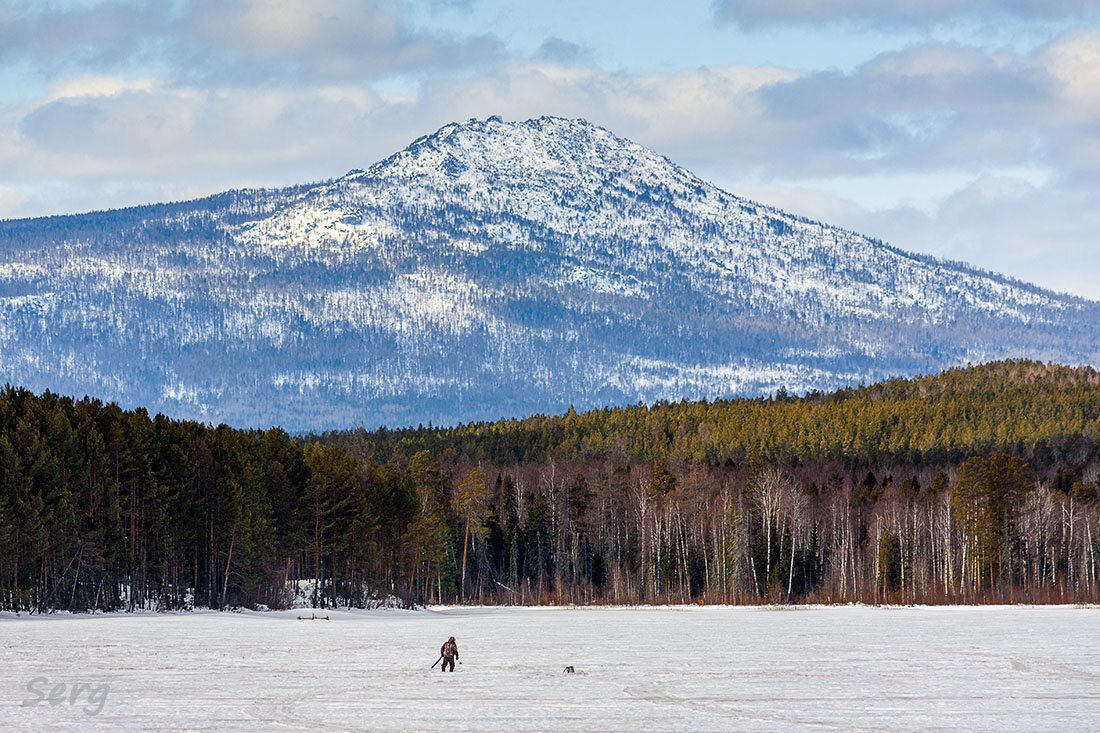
(489, 269)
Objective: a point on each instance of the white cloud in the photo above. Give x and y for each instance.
(171, 132)
(233, 41)
(894, 13)
(95, 85)
(11, 201)
(1074, 60)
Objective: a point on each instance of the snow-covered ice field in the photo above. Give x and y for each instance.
(713, 668)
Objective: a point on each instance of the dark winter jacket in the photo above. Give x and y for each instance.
(449, 650)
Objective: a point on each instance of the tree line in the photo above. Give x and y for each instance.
(975, 485)
(1047, 413)
(102, 508)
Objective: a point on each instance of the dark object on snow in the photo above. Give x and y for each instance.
(569, 670)
(449, 653)
(314, 617)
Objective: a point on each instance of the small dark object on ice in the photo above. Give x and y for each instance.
(314, 617)
(569, 670)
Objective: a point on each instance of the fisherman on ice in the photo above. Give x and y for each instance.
(449, 653)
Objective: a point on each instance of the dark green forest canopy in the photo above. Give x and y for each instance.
(977, 484)
(1049, 414)
(108, 508)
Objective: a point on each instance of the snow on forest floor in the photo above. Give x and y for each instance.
(659, 668)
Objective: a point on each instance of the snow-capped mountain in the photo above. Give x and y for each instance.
(490, 269)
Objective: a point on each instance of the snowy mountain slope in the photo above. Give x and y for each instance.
(489, 269)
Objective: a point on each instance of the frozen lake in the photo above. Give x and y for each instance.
(1021, 668)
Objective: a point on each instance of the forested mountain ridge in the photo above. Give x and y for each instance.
(1047, 413)
(732, 501)
(490, 269)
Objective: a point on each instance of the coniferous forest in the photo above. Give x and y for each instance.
(976, 485)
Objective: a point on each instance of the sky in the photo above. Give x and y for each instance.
(967, 129)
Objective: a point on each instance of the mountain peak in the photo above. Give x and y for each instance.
(502, 149)
(492, 268)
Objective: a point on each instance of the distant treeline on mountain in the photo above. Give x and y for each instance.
(975, 485)
(1048, 414)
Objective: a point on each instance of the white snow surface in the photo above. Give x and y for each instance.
(660, 668)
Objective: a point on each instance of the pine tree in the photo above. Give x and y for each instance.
(472, 503)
